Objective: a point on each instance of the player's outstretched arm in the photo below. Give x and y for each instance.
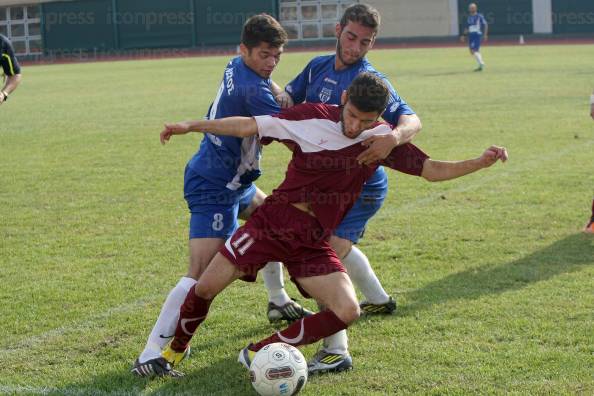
(435, 171)
(230, 126)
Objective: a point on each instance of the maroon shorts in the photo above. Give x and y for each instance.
(281, 232)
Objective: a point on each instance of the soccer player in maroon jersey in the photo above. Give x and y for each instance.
(322, 182)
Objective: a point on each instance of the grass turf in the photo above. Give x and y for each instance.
(493, 278)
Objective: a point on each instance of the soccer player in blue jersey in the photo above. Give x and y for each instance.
(323, 80)
(10, 67)
(218, 181)
(477, 31)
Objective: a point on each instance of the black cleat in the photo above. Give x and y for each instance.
(158, 367)
(290, 312)
(373, 309)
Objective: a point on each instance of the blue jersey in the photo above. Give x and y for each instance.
(476, 24)
(227, 161)
(319, 82)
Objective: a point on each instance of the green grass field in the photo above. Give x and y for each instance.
(493, 278)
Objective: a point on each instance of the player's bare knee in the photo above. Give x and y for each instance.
(204, 291)
(341, 246)
(347, 312)
(197, 267)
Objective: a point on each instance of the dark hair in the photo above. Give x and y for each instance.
(263, 28)
(361, 13)
(368, 93)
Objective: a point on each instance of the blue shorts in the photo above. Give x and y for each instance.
(214, 209)
(370, 201)
(474, 41)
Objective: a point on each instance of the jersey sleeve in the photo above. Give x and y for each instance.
(407, 158)
(261, 101)
(271, 128)
(396, 105)
(297, 88)
(9, 62)
(483, 20)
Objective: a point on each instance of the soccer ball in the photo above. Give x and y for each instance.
(278, 369)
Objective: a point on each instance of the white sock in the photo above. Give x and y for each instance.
(362, 275)
(275, 284)
(167, 321)
(479, 58)
(337, 343)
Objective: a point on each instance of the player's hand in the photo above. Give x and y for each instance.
(492, 155)
(179, 128)
(462, 39)
(485, 38)
(378, 148)
(284, 100)
(2, 98)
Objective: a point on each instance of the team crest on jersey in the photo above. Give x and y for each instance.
(325, 95)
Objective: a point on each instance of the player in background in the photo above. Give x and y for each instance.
(218, 180)
(477, 30)
(590, 226)
(10, 67)
(323, 81)
(323, 181)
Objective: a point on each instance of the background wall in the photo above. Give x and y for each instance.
(419, 18)
(503, 16)
(127, 24)
(573, 16)
(106, 25)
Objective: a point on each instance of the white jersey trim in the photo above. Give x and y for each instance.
(313, 135)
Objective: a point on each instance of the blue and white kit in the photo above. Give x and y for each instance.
(476, 26)
(218, 181)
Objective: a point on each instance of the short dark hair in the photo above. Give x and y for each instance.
(364, 14)
(368, 93)
(263, 28)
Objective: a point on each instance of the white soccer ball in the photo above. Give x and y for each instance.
(278, 369)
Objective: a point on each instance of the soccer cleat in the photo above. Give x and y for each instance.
(174, 358)
(158, 367)
(480, 68)
(246, 356)
(589, 228)
(290, 312)
(372, 309)
(325, 362)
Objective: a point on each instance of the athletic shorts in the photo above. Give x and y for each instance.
(370, 201)
(474, 41)
(281, 232)
(214, 209)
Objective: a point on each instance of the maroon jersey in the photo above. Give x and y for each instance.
(324, 171)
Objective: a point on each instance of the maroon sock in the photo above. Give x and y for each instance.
(191, 314)
(305, 331)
